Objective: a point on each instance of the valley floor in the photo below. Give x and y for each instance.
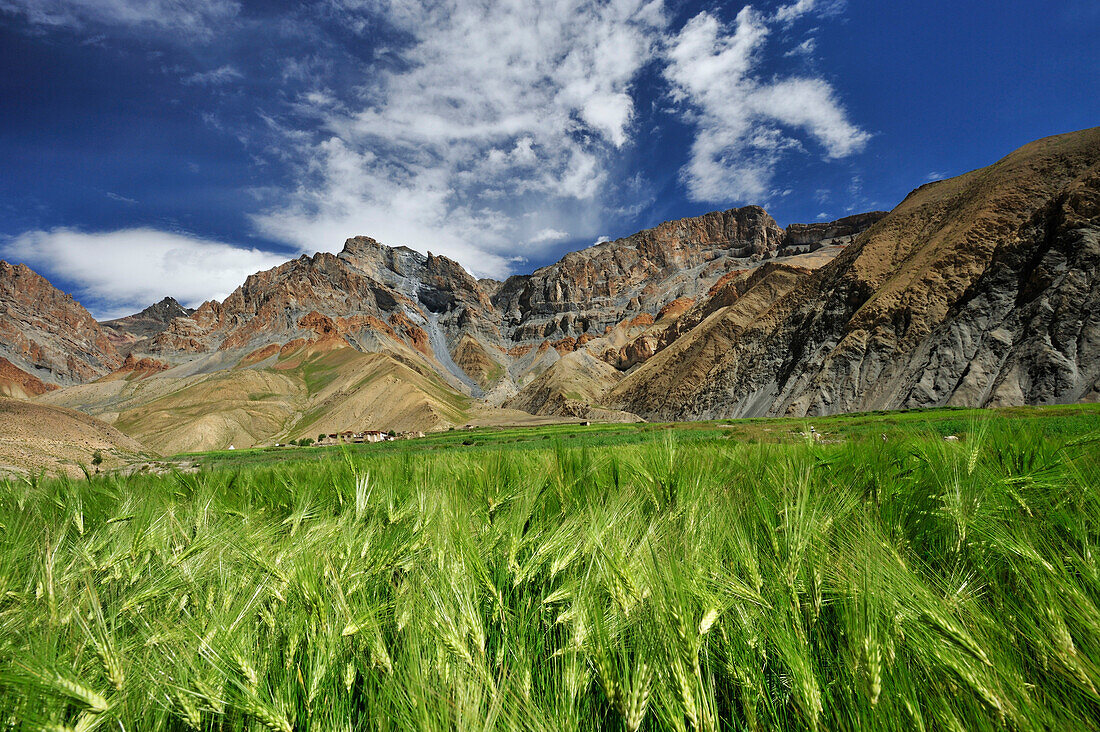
(534, 433)
(720, 575)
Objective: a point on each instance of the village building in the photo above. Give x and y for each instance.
(353, 437)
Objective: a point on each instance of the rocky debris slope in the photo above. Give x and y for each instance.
(47, 334)
(978, 290)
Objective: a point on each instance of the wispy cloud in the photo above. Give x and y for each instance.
(806, 48)
(215, 77)
(788, 14)
(745, 123)
(119, 272)
(188, 17)
(495, 109)
(857, 199)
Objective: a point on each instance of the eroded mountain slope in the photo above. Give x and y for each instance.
(326, 386)
(979, 290)
(47, 334)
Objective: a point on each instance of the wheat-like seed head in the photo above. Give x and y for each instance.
(269, 716)
(246, 670)
(349, 676)
(85, 696)
(873, 657)
(633, 706)
(192, 716)
(708, 621)
(112, 668)
(380, 657)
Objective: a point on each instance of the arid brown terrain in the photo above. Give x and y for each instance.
(977, 290)
(36, 437)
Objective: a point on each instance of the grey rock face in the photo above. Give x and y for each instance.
(979, 291)
(1028, 332)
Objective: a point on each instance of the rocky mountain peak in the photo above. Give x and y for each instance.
(165, 310)
(978, 290)
(592, 289)
(372, 256)
(127, 332)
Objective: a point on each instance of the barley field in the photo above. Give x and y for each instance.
(682, 581)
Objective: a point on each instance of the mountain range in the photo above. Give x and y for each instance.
(978, 290)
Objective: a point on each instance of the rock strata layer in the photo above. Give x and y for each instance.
(47, 334)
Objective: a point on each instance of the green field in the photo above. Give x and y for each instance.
(1054, 422)
(711, 576)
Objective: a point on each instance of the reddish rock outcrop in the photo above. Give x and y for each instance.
(17, 383)
(138, 368)
(260, 354)
(675, 309)
(45, 331)
(565, 345)
(413, 334)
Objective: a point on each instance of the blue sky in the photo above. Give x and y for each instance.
(171, 147)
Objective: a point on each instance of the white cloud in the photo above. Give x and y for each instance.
(743, 121)
(787, 14)
(473, 129)
(806, 48)
(189, 17)
(119, 272)
(214, 77)
(496, 109)
(601, 239)
(549, 235)
(934, 176)
(790, 13)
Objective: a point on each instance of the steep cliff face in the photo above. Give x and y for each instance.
(1027, 331)
(804, 238)
(47, 334)
(590, 290)
(977, 290)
